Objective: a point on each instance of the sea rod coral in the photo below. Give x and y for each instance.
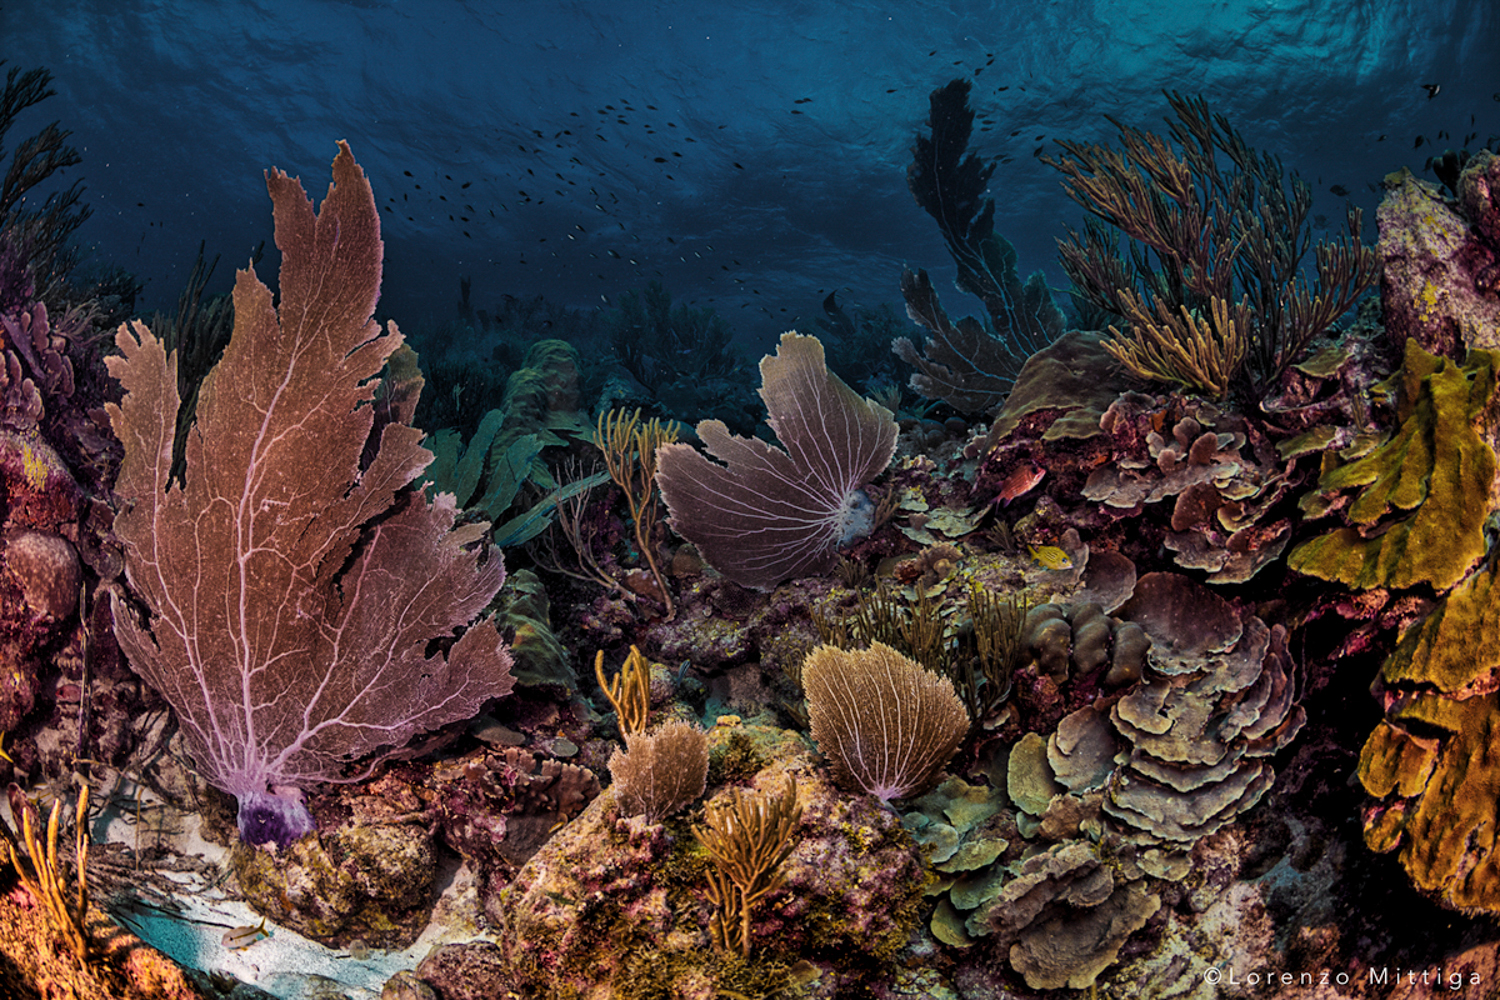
(294, 583)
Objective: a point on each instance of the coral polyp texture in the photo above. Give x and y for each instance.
(292, 585)
(770, 514)
(1442, 259)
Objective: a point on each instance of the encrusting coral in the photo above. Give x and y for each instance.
(1440, 259)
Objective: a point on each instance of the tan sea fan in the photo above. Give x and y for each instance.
(660, 772)
(886, 725)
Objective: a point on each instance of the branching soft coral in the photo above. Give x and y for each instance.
(1214, 296)
(968, 364)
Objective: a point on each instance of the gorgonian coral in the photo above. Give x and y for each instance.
(769, 514)
(304, 603)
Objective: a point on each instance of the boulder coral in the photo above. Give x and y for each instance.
(615, 903)
(1440, 259)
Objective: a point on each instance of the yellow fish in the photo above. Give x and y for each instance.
(1050, 557)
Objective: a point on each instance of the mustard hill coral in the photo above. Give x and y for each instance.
(1422, 496)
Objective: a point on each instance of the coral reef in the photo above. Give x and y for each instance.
(40, 232)
(1223, 479)
(297, 667)
(620, 903)
(1429, 763)
(1442, 259)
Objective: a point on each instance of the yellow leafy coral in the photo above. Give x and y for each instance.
(1433, 763)
(1436, 466)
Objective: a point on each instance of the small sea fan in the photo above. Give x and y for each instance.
(660, 772)
(769, 514)
(886, 725)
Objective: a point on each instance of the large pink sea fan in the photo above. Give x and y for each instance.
(769, 515)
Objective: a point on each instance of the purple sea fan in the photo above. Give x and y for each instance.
(307, 608)
(769, 515)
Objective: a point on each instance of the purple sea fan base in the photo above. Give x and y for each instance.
(768, 514)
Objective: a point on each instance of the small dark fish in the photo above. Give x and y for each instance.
(738, 167)
(1432, 89)
(1420, 139)
(1339, 190)
(464, 185)
(659, 159)
(803, 100)
(406, 172)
